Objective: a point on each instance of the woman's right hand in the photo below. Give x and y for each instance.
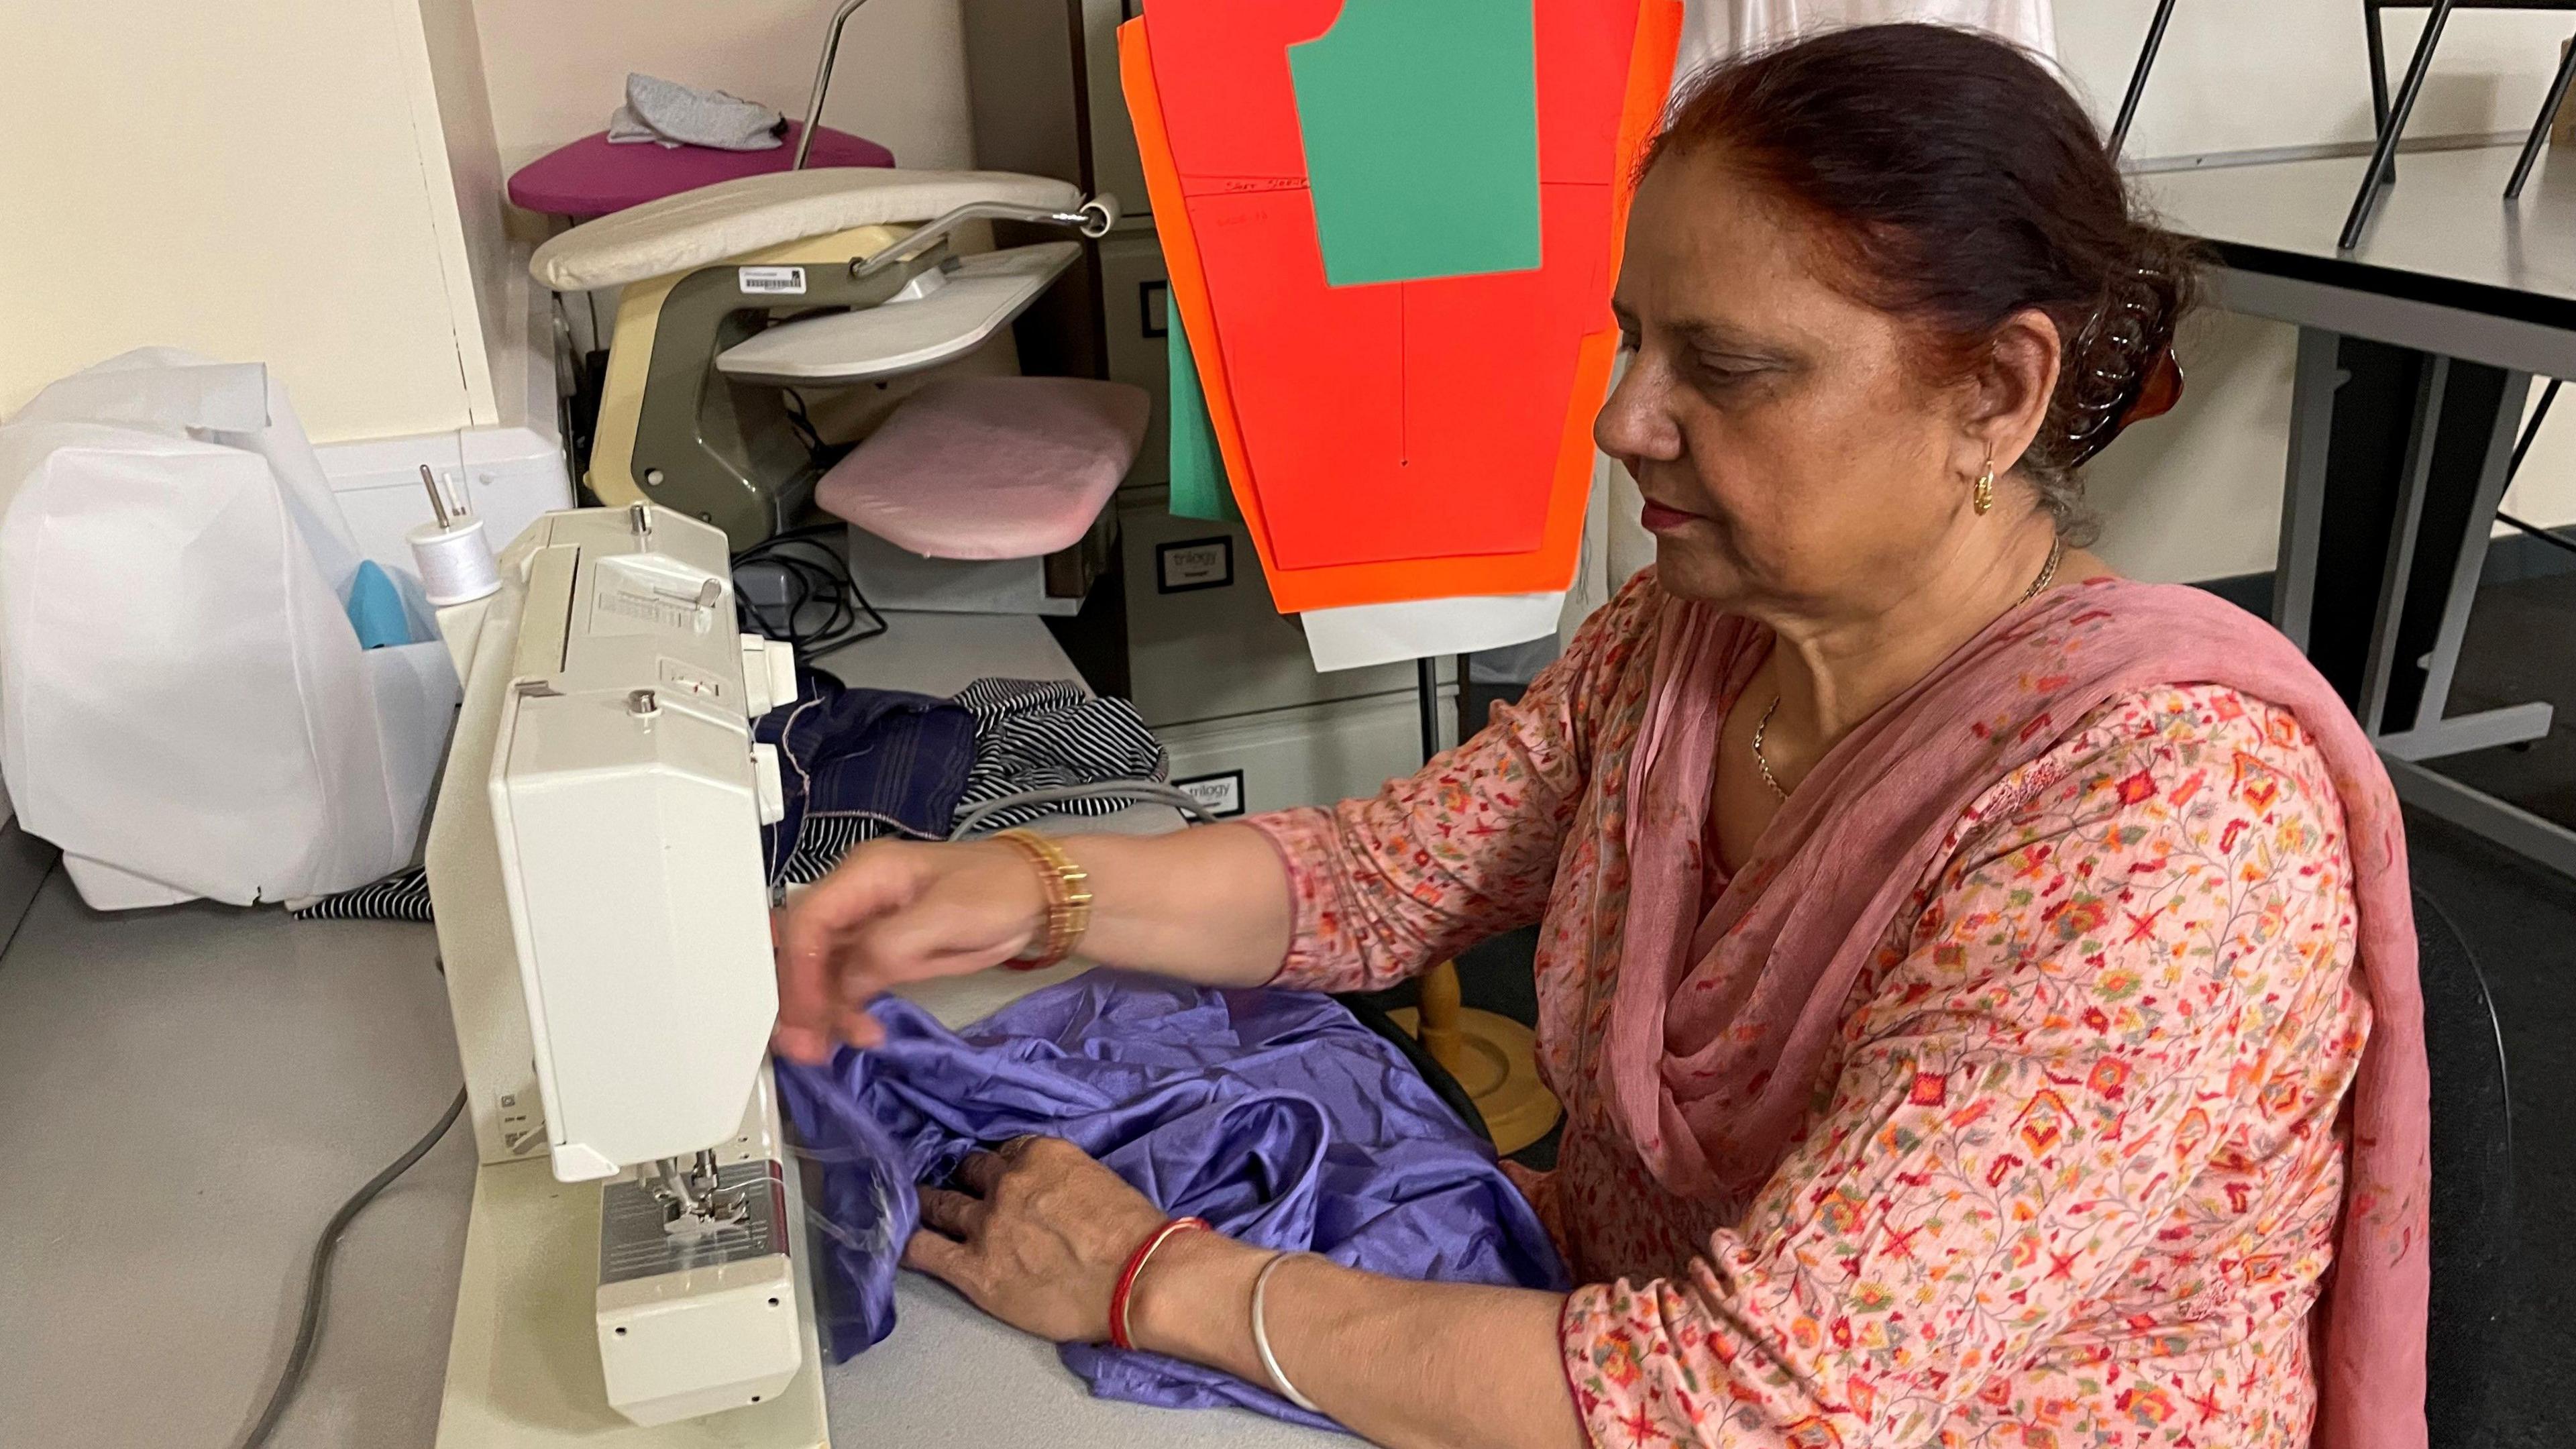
(895, 911)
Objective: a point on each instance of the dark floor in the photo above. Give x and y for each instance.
(2519, 922)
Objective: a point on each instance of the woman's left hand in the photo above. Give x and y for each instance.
(1038, 1241)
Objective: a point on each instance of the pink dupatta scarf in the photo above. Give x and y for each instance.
(1710, 1084)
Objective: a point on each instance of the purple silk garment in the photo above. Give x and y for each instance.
(1273, 1114)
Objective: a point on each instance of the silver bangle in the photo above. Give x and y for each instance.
(1261, 1335)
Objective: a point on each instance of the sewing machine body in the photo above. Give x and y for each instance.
(634, 1268)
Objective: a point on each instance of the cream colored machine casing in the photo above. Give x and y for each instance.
(635, 1272)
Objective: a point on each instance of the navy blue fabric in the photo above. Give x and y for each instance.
(859, 763)
(1273, 1114)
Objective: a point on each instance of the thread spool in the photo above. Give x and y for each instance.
(456, 563)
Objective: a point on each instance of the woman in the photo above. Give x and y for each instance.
(1981, 989)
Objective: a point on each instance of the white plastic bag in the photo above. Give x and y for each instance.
(184, 707)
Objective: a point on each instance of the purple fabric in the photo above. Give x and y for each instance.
(591, 177)
(1273, 1114)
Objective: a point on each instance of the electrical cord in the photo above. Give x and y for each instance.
(796, 587)
(800, 421)
(2521, 450)
(1140, 792)
(317, 1281)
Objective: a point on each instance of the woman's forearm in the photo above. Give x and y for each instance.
(1208, 905)
(1404, 1364)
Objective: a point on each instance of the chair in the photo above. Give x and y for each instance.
(2472, 1209)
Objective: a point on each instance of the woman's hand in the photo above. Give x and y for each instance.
(1038, 1240)
(896, 911)
(1043, 1232)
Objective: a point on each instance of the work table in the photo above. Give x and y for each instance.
(191, 1092)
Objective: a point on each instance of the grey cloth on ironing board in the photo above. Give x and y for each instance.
(671, 114)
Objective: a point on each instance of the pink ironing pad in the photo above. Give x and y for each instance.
(590, 177)
(991, 467)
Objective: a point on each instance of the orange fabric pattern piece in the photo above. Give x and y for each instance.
(1330, 531)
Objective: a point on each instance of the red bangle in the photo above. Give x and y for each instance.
(1135, 1267)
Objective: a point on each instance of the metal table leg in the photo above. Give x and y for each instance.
(2393, 125)
(2398, 460)
(2138, 76)
(2540, 128)
(2312, 410)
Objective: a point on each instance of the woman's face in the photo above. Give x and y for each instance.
(1794, 460)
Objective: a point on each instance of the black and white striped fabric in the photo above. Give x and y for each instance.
(402, 896)
(1030, 735)
(1045, 734)
(825, 838)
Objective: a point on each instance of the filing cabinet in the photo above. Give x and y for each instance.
(1311, 755)
(1203, 639)
(1135, 318)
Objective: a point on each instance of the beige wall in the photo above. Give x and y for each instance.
(558, 67)
(256, 181)
(317, 183)
(461, 108)
(2198, 495)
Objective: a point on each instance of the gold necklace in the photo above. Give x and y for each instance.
(1761, 727)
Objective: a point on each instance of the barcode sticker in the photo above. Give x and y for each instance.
(771, 281)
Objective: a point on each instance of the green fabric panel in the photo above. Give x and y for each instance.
(1198, 470)
(1420, 122)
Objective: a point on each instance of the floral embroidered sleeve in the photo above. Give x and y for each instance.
(1384, 887)
(2094, 1082)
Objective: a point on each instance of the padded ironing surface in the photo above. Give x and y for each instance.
(981, 297)
(991, 467)
(703, 227)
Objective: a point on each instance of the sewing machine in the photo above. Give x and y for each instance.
(733, 294)
(635, 1270)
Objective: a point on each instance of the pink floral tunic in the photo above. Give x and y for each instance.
(2074, 1168)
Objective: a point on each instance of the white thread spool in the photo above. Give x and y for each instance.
(456, 564)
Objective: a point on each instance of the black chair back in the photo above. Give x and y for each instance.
(2472, 1208)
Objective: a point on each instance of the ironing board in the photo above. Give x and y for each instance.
(592, 177)
(967, 307)
(753, 213)
(700, 273)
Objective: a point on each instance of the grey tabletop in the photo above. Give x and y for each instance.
(2444, 223)
(191, 1092)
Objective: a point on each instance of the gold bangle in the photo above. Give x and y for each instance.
(1068, 897)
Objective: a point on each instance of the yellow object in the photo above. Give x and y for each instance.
(1493, 1057)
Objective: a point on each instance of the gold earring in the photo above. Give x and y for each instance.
(1984, 497)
